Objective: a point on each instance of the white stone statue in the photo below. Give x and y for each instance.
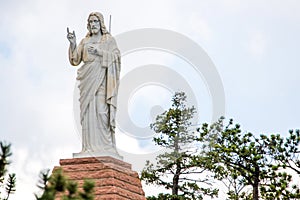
(98, 84)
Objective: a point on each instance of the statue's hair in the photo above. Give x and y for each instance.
(101, 20)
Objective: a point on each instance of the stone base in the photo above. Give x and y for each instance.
(97, 154)
(113, 178)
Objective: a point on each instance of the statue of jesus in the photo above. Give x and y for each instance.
(98, 79)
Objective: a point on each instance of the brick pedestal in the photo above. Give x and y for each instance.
(113, 178)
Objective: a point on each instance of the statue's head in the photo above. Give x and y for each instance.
(93, 18)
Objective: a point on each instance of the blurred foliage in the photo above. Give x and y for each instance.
(57, 185)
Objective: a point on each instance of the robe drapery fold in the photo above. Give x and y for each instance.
(99, 81)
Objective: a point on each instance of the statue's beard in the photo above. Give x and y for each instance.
(95, 30)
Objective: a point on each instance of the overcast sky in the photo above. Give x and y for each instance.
(254, 46)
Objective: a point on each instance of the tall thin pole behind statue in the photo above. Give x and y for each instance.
(110, 24)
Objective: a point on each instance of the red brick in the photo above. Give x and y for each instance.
(113, 178)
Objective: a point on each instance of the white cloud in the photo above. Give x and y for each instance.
(199, 27)
(257, 43)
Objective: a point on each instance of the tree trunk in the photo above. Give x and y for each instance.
(178, 168)
(255, 193)
(175, 184)
(256, 184)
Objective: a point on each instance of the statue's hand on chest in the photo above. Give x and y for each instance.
(94, 49)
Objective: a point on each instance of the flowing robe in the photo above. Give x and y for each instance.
(99, 81)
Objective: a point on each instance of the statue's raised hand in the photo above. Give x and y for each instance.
(71, 37)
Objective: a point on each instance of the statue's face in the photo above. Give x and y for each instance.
(94, 24)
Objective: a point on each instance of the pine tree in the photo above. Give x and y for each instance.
(180, 163)
(7, 181)
(247, 160)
